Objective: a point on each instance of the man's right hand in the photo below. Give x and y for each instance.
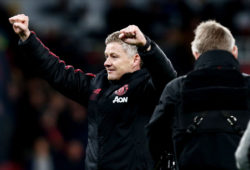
(20, 25)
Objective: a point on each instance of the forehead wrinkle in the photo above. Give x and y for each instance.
(114, 48)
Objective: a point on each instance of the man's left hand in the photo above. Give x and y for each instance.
(133, 35)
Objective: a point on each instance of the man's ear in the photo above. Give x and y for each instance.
(137, 61)
(235, 51)
(196, 55)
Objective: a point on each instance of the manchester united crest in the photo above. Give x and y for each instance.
(121, 91)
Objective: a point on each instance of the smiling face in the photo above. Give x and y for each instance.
(118, 62)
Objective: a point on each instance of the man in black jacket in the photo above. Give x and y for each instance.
(201, 116)
(120, 99)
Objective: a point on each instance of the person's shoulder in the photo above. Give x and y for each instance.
(174, 86)
(177, 81)
(99, 77)
(247, 78)
(246, 75)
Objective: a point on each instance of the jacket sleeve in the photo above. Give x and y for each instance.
(159, 127)
(158, 65)
(242, 153)
(71, 82)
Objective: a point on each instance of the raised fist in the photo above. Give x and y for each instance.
(21, 26)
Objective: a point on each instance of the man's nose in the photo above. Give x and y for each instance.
(107, 62)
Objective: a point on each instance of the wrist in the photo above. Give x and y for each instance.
(146, 46)
(24, 36)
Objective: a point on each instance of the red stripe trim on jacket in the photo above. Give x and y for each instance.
(61, 61)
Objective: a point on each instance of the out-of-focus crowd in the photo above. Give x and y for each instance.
(42, 130)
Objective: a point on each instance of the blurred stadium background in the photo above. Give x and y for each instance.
(42, 130)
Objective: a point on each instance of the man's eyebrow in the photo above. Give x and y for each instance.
(112, 53)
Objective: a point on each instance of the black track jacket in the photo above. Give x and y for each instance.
(117, 110)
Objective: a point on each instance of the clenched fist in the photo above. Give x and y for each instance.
(21, 26)
(133, 35)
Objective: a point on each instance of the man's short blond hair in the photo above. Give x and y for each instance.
(114, 37)
(211, 35)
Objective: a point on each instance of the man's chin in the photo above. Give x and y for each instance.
(110, 77)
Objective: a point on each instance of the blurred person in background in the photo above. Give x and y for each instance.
(9, 92)
(42, 159)
(34, 103)
(6, 111)
(201, 116)
(74, 155)
(242, 153)
(120, 99)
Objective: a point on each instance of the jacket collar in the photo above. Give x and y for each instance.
(216, 59)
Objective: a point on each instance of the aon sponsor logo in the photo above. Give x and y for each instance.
(120, 99)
